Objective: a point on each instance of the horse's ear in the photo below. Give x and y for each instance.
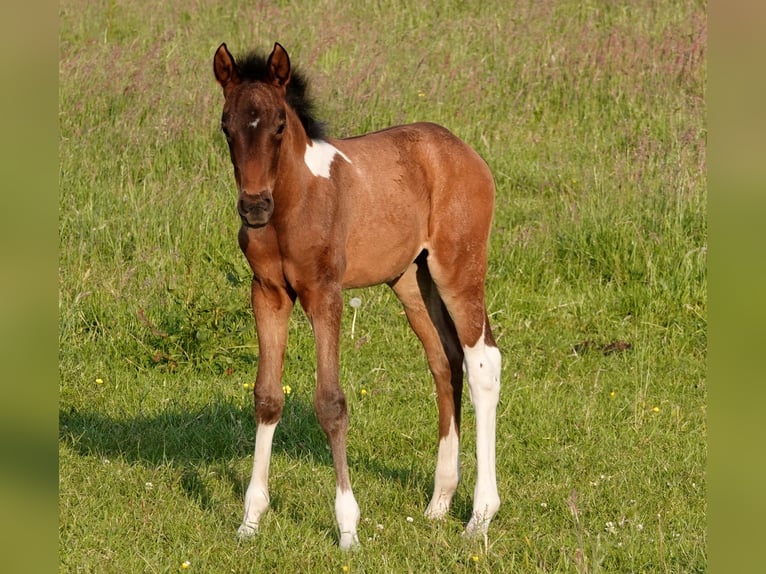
(279, 66)
(225, 68)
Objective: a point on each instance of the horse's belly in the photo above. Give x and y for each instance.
(373, 259)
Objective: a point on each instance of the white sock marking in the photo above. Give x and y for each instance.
(319, 157)
(257, 495)
(347, 514)
(482, 365)
(447, 474)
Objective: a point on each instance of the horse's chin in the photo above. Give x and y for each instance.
(253, 225)
(254, 222)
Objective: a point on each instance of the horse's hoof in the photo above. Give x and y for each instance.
(348, 541)
(246, 531)
(476, 528)
(437, 511)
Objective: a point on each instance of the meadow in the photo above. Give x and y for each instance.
(591, 115)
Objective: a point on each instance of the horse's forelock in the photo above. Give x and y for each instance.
(254, 67)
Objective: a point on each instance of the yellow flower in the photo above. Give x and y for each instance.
(287, 389)
(99, 381)
(475, 557)
(612, 394)
(344, 567)
(363, 392)
(656, 409)
(185, 565)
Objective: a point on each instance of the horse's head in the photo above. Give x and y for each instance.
(253, 121)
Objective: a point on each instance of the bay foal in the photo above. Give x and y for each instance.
(410, 206)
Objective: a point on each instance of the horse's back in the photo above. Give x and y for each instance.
(421, 159)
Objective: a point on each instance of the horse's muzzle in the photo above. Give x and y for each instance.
(255, 210)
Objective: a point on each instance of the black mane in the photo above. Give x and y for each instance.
(253, 67)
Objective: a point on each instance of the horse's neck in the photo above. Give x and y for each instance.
(294, 178)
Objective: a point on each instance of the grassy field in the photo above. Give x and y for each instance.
(592, 117)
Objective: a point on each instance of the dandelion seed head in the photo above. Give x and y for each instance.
(355, 302)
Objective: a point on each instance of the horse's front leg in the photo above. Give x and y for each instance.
(271, 306)
(324, 308)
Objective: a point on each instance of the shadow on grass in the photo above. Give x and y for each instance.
(218, 432)
(221, 434)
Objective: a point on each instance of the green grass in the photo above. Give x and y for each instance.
(592, 118)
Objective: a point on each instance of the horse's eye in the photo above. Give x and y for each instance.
(280, 128)
(225, 131)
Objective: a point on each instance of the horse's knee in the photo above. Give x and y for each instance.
(268, 405)
(331, 410)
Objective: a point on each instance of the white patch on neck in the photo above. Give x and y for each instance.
(319, 157)
(254, 123)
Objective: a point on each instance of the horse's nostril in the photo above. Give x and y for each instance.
(257, 201)
(244, 207)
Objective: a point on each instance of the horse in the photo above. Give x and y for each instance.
(410, 206)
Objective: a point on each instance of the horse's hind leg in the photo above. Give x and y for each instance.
(460, 281)
(431, 323)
